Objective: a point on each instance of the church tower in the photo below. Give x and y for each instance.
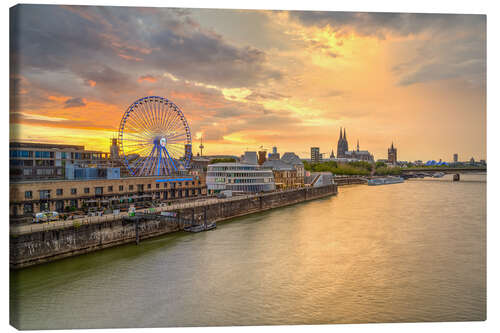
(342, 145)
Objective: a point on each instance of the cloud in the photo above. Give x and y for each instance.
(74, 102)
(76, 38)
(148, 78)
(382, 24)
(462, 57)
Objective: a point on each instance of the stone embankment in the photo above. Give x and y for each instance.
(35, 244)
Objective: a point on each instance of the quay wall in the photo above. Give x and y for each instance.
(31, 248)
(341, 181)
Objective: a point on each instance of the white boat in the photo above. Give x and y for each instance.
(385, 181)
(438, 175)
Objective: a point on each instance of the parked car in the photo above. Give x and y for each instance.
(45, 217)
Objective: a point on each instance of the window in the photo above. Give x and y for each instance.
(120, 188)
(44, 194)
(59, 191)
(21, 153)
(165, 185)
(28, 194)
(63, 155)
(44, 172)
(131, 187)
(28, 208)
(27, 172)
(110, 188)
(158, 185)
(86, 190)
(149, 185)
(140, 187)
(59, 205)
(43, 154)
(73, 191)
(98, 190)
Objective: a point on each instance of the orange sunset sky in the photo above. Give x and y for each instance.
(246, 79)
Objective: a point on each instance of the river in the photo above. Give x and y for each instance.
(406, 252)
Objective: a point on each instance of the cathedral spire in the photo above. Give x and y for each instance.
(340, 138)
(357, 146)
(345, 138)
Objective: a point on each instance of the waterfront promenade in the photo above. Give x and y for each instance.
(16, 230)
(35, 227)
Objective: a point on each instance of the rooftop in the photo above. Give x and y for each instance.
(17, 144)
(277, 165)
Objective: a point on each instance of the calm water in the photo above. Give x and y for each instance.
(396, 253)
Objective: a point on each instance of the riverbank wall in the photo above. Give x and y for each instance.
(30, 248)
(349, 180)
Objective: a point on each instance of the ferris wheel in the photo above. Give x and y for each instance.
(154, 138)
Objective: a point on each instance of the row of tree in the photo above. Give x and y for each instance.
(358, 168)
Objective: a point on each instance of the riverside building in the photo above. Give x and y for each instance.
(31, 197)
(38, 161)
(239, 177)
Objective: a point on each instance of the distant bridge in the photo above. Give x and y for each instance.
(444, 170)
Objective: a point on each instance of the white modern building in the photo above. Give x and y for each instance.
(239, 177)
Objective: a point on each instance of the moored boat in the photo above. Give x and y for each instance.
(201, 227)
(385, 181)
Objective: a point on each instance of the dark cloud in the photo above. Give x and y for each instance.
(93, 42)
(107, 77)
(74, 102)
(381, 24)
(452, 58)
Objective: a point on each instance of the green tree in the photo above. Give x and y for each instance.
(222, 160)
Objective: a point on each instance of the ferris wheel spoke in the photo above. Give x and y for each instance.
(148, 113)
(140, 116)
(136, 123)
(178, 125)
(175, 137)
(139, 124)
(137, 141)
(135, 129)
(173, 119)
(157, 113)
(175, 152)
(172, 115)
(153, 113)
(164, 113)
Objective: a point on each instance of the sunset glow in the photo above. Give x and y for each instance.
(246, 79)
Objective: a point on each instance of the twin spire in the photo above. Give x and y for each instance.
(340, 138)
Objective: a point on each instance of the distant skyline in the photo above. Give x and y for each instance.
(246, 79)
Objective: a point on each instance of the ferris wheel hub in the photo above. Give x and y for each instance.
(161, 141)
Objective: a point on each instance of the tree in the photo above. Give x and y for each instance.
(222, 160)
